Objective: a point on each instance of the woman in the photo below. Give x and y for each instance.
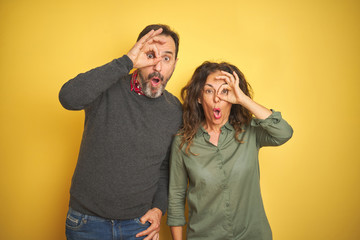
(214, 159)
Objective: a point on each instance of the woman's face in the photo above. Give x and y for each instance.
(216, 111)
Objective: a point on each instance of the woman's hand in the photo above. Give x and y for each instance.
(231, 91)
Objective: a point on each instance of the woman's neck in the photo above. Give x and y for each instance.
(214, 132)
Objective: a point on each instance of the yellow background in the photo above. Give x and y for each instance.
(301, 57)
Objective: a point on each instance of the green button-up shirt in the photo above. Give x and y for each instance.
(222, 183)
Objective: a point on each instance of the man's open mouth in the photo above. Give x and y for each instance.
(155, 81)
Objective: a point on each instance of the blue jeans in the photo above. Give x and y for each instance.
(84, 227)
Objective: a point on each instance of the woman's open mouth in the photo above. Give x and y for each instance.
(217, 113)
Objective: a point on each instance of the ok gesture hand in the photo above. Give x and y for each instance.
(144, 53)
(231, 91)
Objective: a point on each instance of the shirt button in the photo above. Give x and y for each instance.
(227, 204)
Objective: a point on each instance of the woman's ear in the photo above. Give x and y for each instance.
(199, 101)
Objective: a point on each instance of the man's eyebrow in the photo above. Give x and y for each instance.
(168, 52)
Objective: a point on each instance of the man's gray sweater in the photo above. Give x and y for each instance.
(122, 168)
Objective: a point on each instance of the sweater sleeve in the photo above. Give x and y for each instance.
(160, 199)
(82, 90)
(177, 187)
(272, 131)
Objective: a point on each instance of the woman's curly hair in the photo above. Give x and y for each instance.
(193, 113)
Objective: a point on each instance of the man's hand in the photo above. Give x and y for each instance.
(152, 216)
(144, 53)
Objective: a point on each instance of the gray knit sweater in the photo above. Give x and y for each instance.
(122, 168)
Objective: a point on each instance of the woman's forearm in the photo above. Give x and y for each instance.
(176, 232)
(258, 110)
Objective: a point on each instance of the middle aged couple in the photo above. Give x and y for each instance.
(121, 185)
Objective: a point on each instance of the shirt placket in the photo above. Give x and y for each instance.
(227, 224)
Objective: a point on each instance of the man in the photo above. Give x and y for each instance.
(120, 184)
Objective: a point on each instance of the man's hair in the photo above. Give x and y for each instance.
(166, 31)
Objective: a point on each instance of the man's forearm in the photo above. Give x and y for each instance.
(82, 90)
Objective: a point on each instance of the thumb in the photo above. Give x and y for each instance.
(143, 219)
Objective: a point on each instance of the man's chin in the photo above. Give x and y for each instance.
(151, 94)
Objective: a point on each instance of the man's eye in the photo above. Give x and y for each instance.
(150, 55)
(167, 59)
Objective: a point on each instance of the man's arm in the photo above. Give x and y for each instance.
(79, 92)
(159, 204)
(82, 90)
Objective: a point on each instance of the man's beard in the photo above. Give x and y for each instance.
(147, 87)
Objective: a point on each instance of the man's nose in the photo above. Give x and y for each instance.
(158, 66)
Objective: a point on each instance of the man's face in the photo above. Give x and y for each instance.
(153, 79)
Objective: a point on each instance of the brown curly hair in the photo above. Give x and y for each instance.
(193, 113)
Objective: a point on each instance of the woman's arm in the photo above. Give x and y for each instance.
(236, 96)
(178, 182)
(176, 232)
(273, 130)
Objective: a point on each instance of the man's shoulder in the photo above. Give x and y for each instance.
(172, 99)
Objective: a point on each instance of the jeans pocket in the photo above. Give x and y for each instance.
(137, 220)
(74, 220)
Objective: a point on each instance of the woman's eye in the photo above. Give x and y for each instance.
(209, 91)
(167, 59)
(225, 91)
(150, 55)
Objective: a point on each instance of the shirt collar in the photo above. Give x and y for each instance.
(226, 126)
(134, 84)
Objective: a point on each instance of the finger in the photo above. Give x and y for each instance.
(155, 49)
(158, 39)
(146, 37)
(157, 32)
(144, 219)
(231, 76)
(150, 35)
(151, 236)
(156, 237)
(225, 78)
(148, 47)
(237, 79)
(150, 229)
(223, 91)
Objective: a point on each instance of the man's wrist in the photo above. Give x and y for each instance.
(157, 209)
(131, 58)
